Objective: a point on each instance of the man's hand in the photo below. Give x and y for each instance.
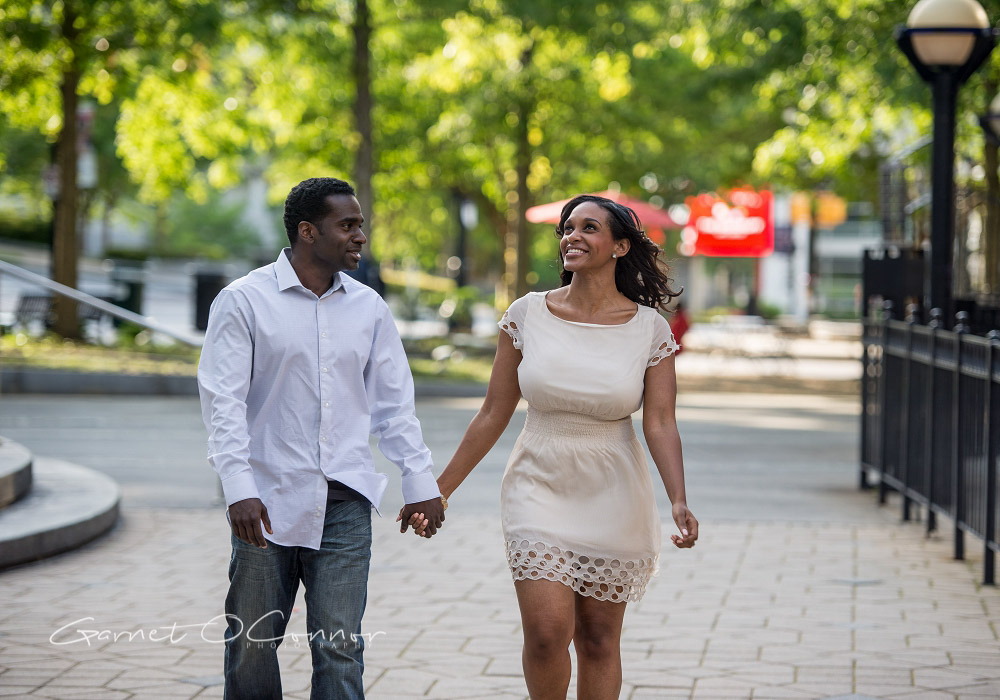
(428, 514)
(245, 518)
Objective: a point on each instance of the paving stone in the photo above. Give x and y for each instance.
(174, 692)
(779, 693)
(654, 693)
(80, 694)
(759, 609)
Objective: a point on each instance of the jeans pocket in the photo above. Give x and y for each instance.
(259, 564)
(348, 519)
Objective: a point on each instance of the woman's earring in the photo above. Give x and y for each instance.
(614, 255)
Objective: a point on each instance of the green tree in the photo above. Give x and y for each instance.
(55, 52)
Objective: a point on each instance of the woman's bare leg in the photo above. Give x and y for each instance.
(598, 648)
(548, 622)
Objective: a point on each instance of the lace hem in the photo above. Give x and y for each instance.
(511, 329)
(667, 348)
(603, 578)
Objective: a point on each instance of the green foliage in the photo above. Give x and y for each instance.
(768, 311)
(135, 355)
(212, 230)
(664, 99)
(29, 230)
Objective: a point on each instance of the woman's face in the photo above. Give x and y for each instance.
(587, 241)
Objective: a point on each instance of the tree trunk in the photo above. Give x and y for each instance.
(64, 246)
(109, 205)
(523, 200)
(991, 239)
(517, 255)
(364, 161)
(160, 243)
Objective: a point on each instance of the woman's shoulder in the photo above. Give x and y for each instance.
(650, 312)
(528, 300)
(653, 318)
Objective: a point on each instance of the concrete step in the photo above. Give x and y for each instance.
(15, 471)
(67, 506)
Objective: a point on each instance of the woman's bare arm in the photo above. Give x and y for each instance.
(486, 428)
(659, 425)
(502, 396)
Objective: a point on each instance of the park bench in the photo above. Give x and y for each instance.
(38, 307)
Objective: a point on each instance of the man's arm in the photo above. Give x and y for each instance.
(223, 383)
(389, 386)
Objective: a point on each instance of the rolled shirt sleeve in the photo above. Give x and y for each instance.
(389, 386)
(223, 383)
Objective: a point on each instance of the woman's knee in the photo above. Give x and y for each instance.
(597, 636)
(547, 638)
(595, 644)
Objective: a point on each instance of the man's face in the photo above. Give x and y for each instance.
(339, 238)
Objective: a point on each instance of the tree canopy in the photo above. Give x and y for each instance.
(506, 103)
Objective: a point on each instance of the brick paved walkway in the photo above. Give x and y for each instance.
(756, 610)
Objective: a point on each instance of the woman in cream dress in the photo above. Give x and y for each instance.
(579, 516)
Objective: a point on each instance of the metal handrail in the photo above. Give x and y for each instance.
(99, 304)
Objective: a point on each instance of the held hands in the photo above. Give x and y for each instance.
(687, 524)
(245, 518)
(424, 517)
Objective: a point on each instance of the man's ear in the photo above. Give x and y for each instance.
(307, 232)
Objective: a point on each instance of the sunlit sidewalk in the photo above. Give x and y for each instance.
(756, 610)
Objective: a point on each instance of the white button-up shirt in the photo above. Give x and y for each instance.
(291, 386)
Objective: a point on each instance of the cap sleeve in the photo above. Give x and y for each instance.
(512, 322)
(663, 343)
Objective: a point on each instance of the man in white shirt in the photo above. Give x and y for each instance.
(300, 364)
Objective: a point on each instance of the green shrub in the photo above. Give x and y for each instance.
(15, 228)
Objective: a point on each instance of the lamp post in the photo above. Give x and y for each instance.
(468, 218)
(946, 41)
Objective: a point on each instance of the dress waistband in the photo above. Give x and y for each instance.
(577, 425)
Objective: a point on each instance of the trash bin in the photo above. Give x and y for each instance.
(130, 278)
(207, 285)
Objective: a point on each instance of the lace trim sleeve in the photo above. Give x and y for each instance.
(510, 328)
(666, 348)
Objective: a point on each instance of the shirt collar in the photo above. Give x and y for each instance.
(285, 274)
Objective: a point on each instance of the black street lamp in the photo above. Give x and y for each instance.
(946, 41)
(468, 218)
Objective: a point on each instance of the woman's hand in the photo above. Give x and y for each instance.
(687, 524)
(417, 521)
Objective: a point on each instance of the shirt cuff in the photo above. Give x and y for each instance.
(420, 487)
(239, 487)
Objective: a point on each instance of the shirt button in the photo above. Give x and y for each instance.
(324, 334)
(324, 369)
(326, 404)
(323, 438)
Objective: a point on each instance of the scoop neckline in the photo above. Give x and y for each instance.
(545, 305)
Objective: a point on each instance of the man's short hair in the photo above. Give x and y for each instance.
(307, 202)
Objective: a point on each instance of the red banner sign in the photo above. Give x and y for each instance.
(739, 225)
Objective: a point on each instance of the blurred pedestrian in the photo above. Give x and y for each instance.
(300, 364)
(579, 515)
(679, 325)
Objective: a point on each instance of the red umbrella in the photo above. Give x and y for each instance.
(653, 220)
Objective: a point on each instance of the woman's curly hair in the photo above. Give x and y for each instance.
(640, 275)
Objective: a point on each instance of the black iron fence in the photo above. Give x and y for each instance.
(930, 423)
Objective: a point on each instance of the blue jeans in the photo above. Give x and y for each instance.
(262, 588)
